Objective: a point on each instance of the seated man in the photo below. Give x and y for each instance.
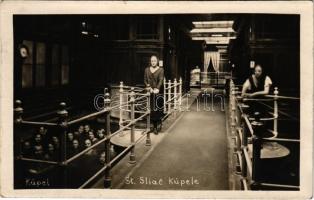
(256, 86)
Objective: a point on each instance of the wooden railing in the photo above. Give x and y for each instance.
(172, 96)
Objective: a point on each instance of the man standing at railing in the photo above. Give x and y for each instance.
(153, 78)
(256, 86)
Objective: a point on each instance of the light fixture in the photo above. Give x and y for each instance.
(212, 30)
(213, 38)
(230, 22)
(216, 35)
(84, 32)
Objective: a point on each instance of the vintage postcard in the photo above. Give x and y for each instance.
(157, 99)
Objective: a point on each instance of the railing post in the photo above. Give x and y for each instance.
(233, 112)
(230, 97)
(244, 146)
(132, 101)
(230, 89)
(257, 146)
(175, 94)
(237, 150)
(244, 130)
(180, 92)
(148, 140)
(18, 112)
(107, 181)
(230, 86)
(165, 96)
(169, 96)
(121, 102)
(237, 131)
(232, 100)
(237, 111)
(63, 124)
(276, 112)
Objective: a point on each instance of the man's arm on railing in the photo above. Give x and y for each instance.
(245, 88)
(259, 93)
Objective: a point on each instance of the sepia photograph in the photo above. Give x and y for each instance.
(161, 103)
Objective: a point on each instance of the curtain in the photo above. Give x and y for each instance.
(210, 67)
(206, 60)
(214, 56)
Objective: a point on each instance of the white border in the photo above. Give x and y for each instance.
(8, 8)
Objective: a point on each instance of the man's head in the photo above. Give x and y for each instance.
(86, 128)
(153, 61)
(81, 129)
(75, 144)
(100, 134)
(102, 157)
(70, 136)
(88, 143)
(42, 131)
(258, 70)
(91, 135)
